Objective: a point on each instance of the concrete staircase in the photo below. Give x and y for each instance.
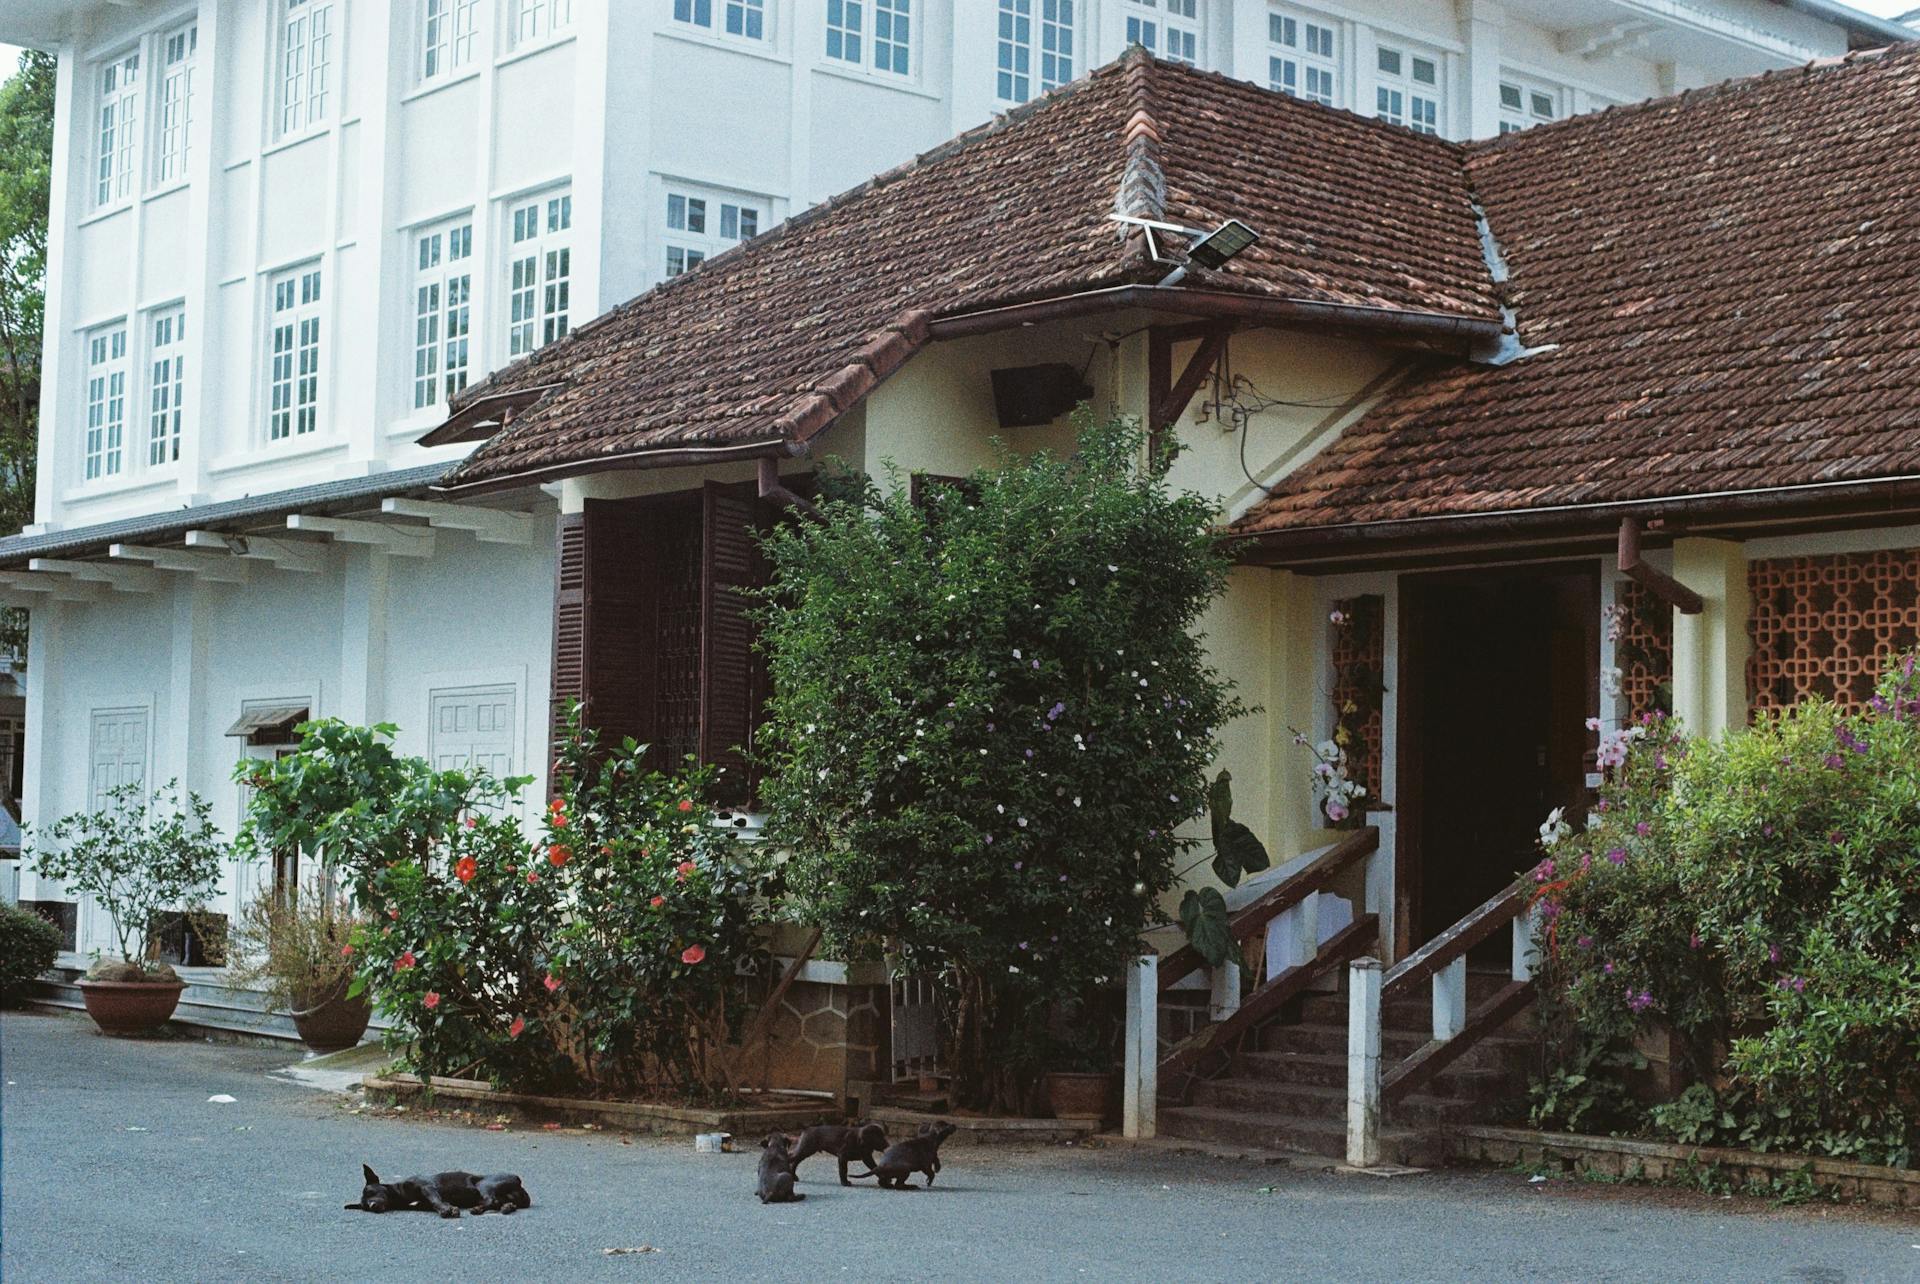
(1287, 1090)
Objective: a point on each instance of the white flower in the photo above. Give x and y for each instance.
(1555, 828)
(1016, 653)
(1610, 680)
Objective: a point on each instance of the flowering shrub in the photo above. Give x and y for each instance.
(990, 717)
(1759, 895)
(603, 957)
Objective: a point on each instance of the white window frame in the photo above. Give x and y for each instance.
(750, 20)
(442, 311)
(539, 270)
(871, 35)
(1520, 99)
(1303, 56)
(166, 335)
(296, 325)
(1173, 31)
(535, 22)
(449, 38)
(701, 222)
(173, 105)
(116, 127)
(1035, 47)
(103, 446)
(1402, 96)
(307, 54)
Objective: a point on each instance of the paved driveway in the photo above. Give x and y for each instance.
(116, 1167)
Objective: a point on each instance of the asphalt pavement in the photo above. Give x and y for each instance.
(114, 1165)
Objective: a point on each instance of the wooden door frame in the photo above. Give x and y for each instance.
(1409, 782)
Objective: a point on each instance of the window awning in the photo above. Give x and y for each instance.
(269, 724)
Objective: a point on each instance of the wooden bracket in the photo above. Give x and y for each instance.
(1652, 578)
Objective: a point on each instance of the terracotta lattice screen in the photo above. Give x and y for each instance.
(1642, 631)
(1825, 625)
(1359, 684)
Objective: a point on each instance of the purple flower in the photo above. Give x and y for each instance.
(1036, 664)
(1584, 942)
(1835, 762)
(1618, 855)
(1643, 829)
(1773, 954)
(989, 840)
(1056, 711)
(1063, 878)
(1607, 968)
(989, 726)
(1639, 1002)
(1767, 830)
(1017, 864)
(1836, 838)
(1543, 871)
(1694, 942)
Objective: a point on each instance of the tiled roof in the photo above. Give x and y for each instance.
(773, 340)
(1730, 283)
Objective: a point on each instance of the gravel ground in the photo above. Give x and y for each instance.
(115, 1166)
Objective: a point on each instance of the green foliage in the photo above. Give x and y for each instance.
(137, 857)
(1203, 915)
(605, 958)
(26, 170)
(1237, 850)
(1758, 896)
(991, 717)
(28, 946)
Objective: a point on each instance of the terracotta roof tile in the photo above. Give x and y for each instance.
(774, 339)
(1730, 279)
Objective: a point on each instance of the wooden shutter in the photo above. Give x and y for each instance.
(729, 686)
(621, 629)
(569, 622)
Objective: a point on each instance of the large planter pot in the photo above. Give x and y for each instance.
(131, 1007)
(334, 1023)
(1077, 1095)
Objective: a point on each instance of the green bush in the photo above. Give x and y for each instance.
(991, 717)
(1759, 895)
(28, 946)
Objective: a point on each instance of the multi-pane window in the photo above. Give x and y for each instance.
(166, 391)
(106, 437)
(1034, 36)
(699, 227)
(293, 342)
(532, 20)
(540, 273)
(119, 125)
(306, 63)
(886, 47)
(1304, 59)
(1407, 89)
(736, 17)
(846, 20)
(1175, 36)
(448, 38)
(177, 51)
(1524, 104)
(442, 312)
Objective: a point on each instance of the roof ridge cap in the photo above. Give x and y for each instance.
(1142, 189)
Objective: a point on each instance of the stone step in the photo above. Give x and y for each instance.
(1397, 1014)
(1409, 1146)
(1330, 1039)
(1461, 1079)
(1268, 1099)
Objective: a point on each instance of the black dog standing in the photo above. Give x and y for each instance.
(776, 1171)
(858, 1141)
(444, 1193)
(918, 1154)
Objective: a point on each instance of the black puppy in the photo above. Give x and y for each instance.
(848, 1142)
(444, 1193)
(917, 1154)
(776, 1171)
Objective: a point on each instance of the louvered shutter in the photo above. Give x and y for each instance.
(621, 626)
(730, 690)
(569, 622)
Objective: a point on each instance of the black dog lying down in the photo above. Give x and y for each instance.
(847, 1141)
(917, 1154)
(444, 1193)
(776, 1171)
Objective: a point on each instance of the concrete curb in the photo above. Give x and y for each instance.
(1665, 1161)
(980, 1130)
(746, 1123)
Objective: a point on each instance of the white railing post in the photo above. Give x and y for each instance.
(1524, 948)
(1450, 999)
(1140, 1091)
(1363, 1062)
(1225, 1000)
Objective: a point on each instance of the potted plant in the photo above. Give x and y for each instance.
(1081, 1055)
(295, 945)
(139, 857)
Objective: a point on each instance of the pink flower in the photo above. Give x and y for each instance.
(513, 1031)
(346, 951)
(1617, 855)
(657, 901)
(552, 983)
(533, 876)
(1773, 954)
(1694, 942)
(405, 961)
(686, 804)
(693, 954)
(681, 870)
(432, 1000)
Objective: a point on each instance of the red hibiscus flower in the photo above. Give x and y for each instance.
(432, 1000)
(559, 855)
(471, 822)
(393, 914)
(658, 901)
(681, 870)
(466, 868)
(553, 983)
(513, 1031)
(533, 876)
(686, 804)
(346, 951)
(693, 954)
(405, 961)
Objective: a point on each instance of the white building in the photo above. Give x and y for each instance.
(283, 230)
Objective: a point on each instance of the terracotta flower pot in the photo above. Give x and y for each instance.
(1078, 1095)
(334, 1023)
(131, 1007)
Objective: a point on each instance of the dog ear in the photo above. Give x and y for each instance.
(373, 1178)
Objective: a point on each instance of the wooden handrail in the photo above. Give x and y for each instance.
(1220, 1038)
(1433, 1057)
(1498, 910)
(1277, 900)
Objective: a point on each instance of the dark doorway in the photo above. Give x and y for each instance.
(1499, 671)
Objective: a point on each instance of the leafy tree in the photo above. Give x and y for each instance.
(26, 168)
(991, 717)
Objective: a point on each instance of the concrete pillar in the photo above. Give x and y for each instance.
(1141, 1087)
(1710, 649)
(1363, 1062)
(1294, 692)
(39, 788)
(363, 637)
(1480, 23)
(1526, 950)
